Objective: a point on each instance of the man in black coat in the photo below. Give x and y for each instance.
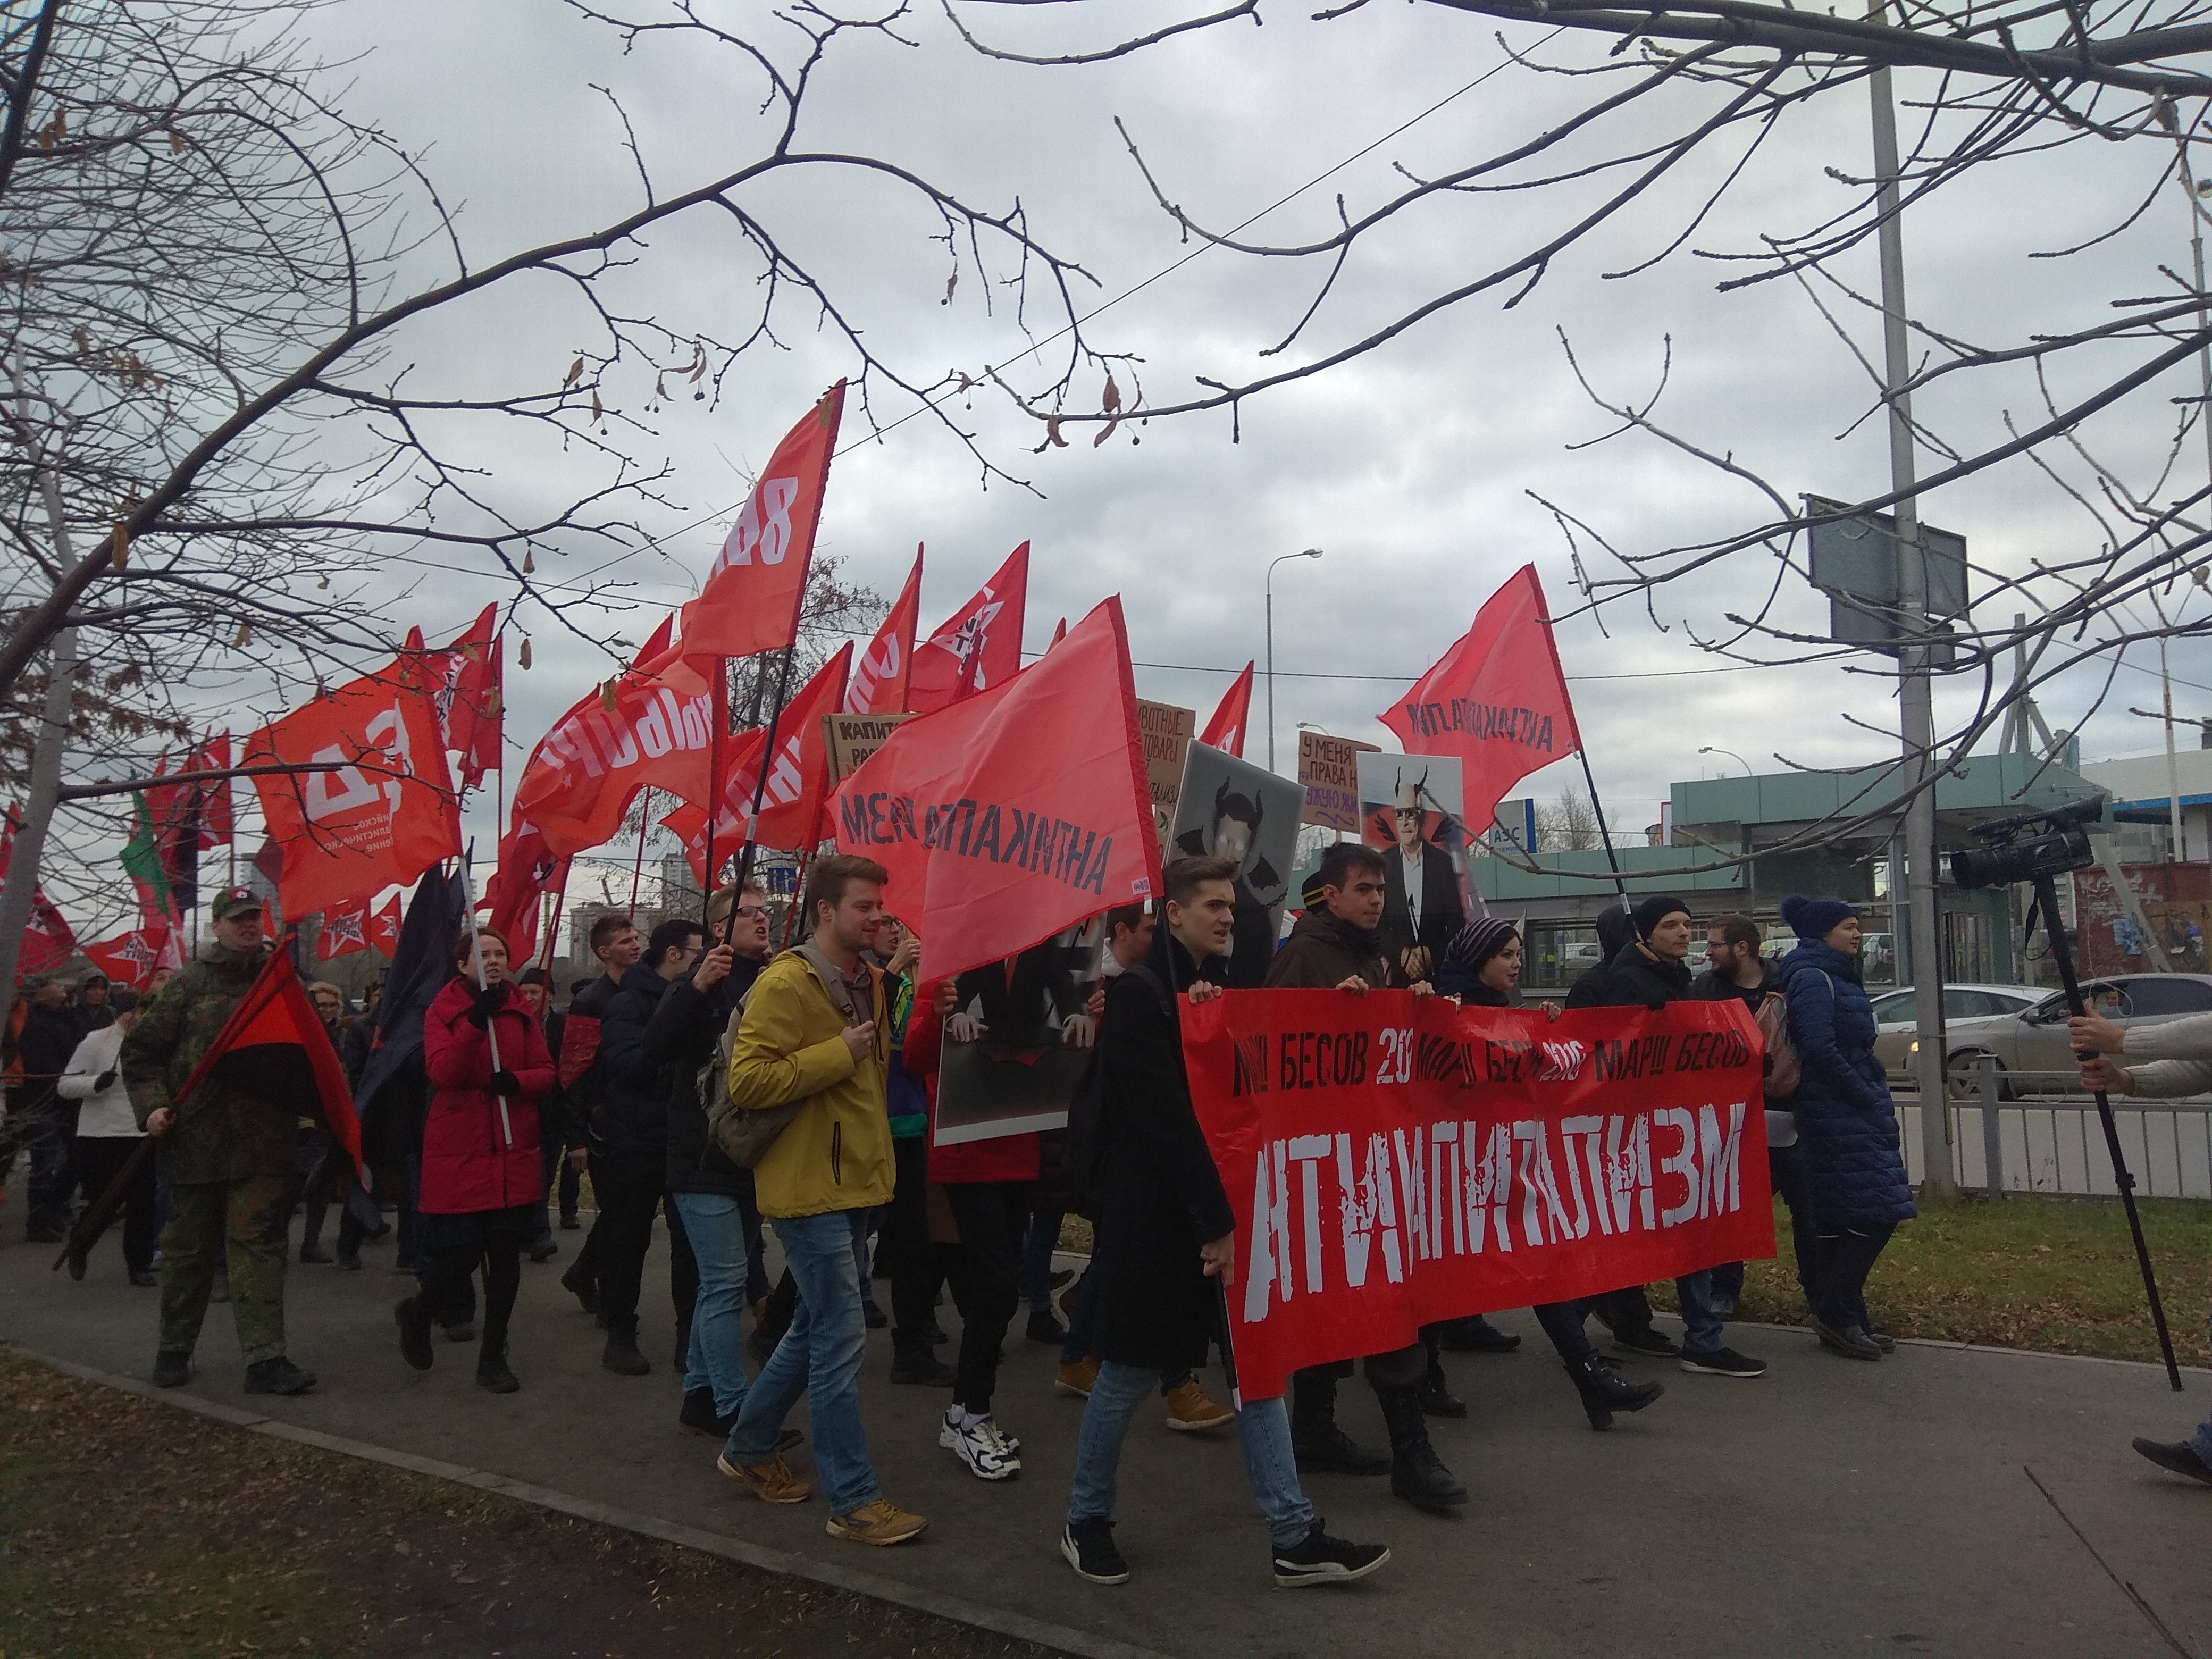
(1422, 908)
(50, 1035)
(1334, 946)
(1651, 970)
(1165, 1230)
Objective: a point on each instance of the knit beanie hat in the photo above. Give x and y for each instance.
(1812, 918)
(1479, 940)
(1655, 910)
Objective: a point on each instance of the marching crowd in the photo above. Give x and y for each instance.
(726, 1087)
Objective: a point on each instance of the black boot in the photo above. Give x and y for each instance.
(1317, 1442)
(1416, 1474)
(492, 1371)
(1475, 1335)
(621, 1356)
(1435, 1395)
(414, 1322)
(1605, 1391)
(582, 1284)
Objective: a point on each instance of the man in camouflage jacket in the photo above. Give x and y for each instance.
(226, 1157)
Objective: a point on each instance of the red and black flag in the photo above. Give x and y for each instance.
(273, 1046)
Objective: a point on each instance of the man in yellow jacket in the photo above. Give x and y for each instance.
(815, 1036)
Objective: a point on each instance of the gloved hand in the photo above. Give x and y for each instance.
(105, 1081)
(489, 1000)
(504, 1082)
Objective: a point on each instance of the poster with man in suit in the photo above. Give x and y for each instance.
(1410, 808)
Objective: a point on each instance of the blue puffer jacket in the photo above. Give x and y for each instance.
(1846, 1124)
(632, 1121)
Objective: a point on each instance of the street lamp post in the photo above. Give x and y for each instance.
(1714, 749)
(1268, 588)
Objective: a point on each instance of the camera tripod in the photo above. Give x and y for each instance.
(2046, 902)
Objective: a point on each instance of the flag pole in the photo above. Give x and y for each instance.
(717, 717)
(644, 825)
(1604, 835)
(475, 955)
(767, 760)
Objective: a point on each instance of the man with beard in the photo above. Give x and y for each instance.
(1334, 946)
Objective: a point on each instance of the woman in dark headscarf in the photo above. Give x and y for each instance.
(1482, 968)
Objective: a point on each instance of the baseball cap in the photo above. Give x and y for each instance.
(234, 901)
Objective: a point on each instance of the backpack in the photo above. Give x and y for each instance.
(1782, 1073)
(746, 1133)
(1084, 1165)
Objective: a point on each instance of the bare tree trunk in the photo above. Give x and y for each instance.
(29, 850)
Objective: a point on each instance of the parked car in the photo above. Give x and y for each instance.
(1895, 1025)
(2033, 1039)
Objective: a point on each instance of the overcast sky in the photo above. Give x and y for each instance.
(1413, 468)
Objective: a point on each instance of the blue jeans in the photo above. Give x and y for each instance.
(1701, 1326)
(819, 1357)
(864, 1222)
(715, 1224)
(1083, 1317)
(1263, 1429)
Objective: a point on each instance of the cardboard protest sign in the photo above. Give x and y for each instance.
(1392, 1163)
(1015, 1045)
(1409, 806)
(1327, 772)
(1167, 732)
(851, 739)
(1231, 809)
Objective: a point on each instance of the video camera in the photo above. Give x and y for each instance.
(2011, 854)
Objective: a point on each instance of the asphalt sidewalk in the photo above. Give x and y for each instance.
(1828, 1508)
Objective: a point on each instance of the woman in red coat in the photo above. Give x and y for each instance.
(482, 1199)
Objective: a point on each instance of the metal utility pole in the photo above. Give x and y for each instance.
(1915, 700)
(1268, 588)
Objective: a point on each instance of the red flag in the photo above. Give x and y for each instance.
(345, 931)
(48, 939)
(751, 599)
(469, 699)
(384, 927)
(387, 810)
(528, 870)
(980, 646)
(798, 778)
(201, 808)
(878, 684)
(273, 1047)
(1018, 813)
(131, 958)
(1225, 730)
(1496, 699)
(1059, 633)
(636, 730)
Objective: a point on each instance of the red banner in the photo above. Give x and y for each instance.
(528, 871)
(751, 599)
(1225, 730)
(345, 931)
(381, 807)
(1392, 1163)
(1016, 813)
(879, 678)
(1497, 699)
(979, 646)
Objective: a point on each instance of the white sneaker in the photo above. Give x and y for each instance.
(981, 1448)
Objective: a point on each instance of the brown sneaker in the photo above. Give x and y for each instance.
(1077, 1379)
(878, 1522)
(773, 1480)
(1188, 1409)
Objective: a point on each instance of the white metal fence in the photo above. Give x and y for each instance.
(2054, 1143)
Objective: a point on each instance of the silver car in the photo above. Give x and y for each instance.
(1894, 1028)
(2033, 1039)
